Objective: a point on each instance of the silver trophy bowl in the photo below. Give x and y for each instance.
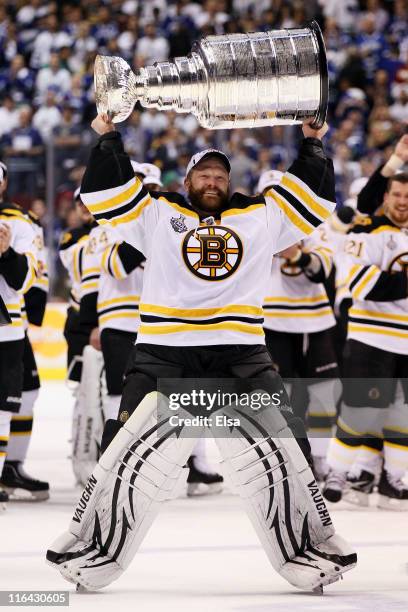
(238, 80)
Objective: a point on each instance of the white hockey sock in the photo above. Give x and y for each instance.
(5, 418)
(395, 436)
(201, 460)
(395, 459)
(21, 427)
(111, 406)
(321, 414)
(353, 425)
(367, 459)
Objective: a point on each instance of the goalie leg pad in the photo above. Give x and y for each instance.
(142, 467)
(88, 416)
(264, 462)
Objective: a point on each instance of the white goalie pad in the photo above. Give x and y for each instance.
(267, 468)
(88, 417)
(142, 467)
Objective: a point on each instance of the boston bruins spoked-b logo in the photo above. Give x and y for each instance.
(290, 270)
(399, 263)
(212, 252)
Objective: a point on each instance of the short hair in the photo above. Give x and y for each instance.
(401, 177)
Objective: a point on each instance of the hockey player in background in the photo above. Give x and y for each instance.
(18, 268)
(371, 196)
(374, 414)
(71, 246)
(201, 317)
(298, 330)
(18, 484)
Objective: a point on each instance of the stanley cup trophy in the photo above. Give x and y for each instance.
(237, 80)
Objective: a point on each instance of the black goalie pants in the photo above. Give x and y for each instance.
(149, 363)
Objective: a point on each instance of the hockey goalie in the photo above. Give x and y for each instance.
(201, 317)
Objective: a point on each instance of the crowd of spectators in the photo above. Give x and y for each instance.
(47, 52)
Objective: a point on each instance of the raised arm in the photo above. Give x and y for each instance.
(305, 197)
(113, 194)
(372, 194)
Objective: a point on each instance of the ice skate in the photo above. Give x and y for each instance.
(20, 486)
(334, 486)
(393, 494)
(201, 479)
(359, 488)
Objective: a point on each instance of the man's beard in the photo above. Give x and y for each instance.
(399, 218)
(197, 202)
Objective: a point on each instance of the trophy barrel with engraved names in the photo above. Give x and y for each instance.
(235, 80)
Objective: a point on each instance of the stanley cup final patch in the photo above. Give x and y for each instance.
(178, 224)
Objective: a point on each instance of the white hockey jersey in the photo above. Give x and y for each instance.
(71, 251)
(22, 242)
(204, 279)
(120, 288)
(33, 310)
(295, 303)
(377, 281)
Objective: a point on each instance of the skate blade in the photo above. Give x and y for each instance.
(3, 507)
(389, 503)
(22, 495)
(199, 489)
(357, 498)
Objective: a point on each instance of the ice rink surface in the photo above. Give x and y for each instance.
(201, 554)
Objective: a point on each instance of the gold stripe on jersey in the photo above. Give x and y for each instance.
(378, 315)
(112, 197)
(31, 273)
(108, 265)
(75, 261)
(306, 196)
(117, 267)
(201, 312)
(298, 313)
(325, 255)
(90, 286)
(188, 327)
(127, 218)
(9, 213)
(120, 314)
(241, 211)
(43, 282)
(369, 274)
(376, 329)
(125, 298)
(290, 213)
(88, 271)
(180, 209)
(14, 311)
(386, 228)
(353, 272)
(395, 445)
(295, 300)
(104, 259)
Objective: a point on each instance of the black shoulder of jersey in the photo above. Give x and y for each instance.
(366, 225)
(240, 200)
(10, 209)
(34, 218)
(171, 196)
(71, 237)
